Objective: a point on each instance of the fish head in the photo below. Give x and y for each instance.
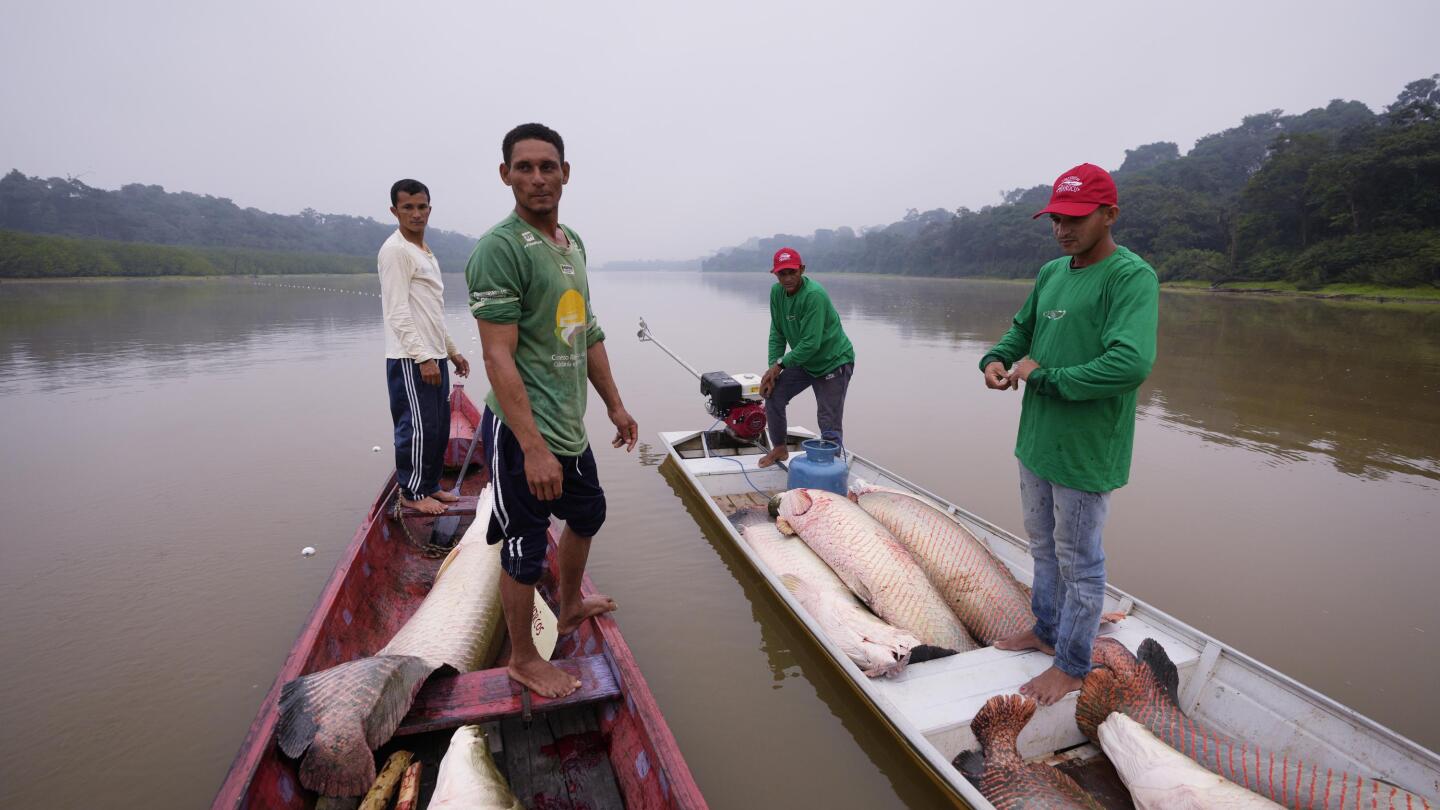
(1129, 746)
(795, 503)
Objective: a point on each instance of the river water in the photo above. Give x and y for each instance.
(170, 446)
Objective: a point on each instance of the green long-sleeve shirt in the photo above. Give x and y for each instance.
(1092, 330)
(809, 324)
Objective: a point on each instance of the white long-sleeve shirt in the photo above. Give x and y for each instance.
(412, 298)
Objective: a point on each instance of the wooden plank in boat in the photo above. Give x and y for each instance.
(478, 697)
(590, 776)
(465, 507)
(553, 764)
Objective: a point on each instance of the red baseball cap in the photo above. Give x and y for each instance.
(787, 259)
(1081, 190)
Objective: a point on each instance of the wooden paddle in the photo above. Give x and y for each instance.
(443, 533)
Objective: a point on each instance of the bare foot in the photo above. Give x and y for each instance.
(778, 454)
(429, 505)
(444, 497)
(543, 678)
(1050, 686)
(1024, 641)
(589, 606)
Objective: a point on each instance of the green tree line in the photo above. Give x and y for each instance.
(1335, 194)
(27, 255)
(139, 213)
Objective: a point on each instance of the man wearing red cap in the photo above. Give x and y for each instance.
(1082, 343)
(802, 317)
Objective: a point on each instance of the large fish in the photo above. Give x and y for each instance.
(1161, 778)
(1001, 775)
(876, 647)
(338, 716)
(1145, 689)
(468, 778)
(873, 564)
(978, 587)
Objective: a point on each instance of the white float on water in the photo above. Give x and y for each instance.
(308, 551)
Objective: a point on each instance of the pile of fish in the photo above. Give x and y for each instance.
(978, 588)
(876, 647)
(338, 716)
(1145, 690)
(931, 587)
(1166, 760)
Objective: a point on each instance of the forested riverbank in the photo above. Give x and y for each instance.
(1335, 195)
(58, 227)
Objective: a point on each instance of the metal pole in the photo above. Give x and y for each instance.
(644, 335)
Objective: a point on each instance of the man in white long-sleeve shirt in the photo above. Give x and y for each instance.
(412, 298)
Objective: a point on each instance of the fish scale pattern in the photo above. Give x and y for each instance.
(874, 646)
(873, 564)
(982, 592)
(1144, 688)
(1007, 780)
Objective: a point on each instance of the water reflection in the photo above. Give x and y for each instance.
(1289, 378)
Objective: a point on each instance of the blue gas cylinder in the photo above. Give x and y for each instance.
(818, 468)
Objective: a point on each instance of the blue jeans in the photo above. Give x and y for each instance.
(1065, 525)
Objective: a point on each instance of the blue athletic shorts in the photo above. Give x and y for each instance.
(519, 519)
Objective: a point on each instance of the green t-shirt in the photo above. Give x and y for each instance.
(1092, 331)
(518, 275)
(808, 322)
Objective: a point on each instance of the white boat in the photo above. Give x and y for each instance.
(929, 706)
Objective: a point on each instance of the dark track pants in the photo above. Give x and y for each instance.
(422, 425)
(829, 401)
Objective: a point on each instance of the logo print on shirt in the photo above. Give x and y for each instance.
(1069, 184)
(567, 269)
(529, 238)
(570, 317)
(1055, 314)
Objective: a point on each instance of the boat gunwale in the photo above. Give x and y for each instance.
(260, 738)
(885, 709)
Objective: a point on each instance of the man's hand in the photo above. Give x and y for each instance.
(1021, 371)
(626, 431)
(429, 372)
(462, 366)
(995, 376)
(543, 473)
(767, 382)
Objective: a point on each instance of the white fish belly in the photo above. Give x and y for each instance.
(1159, 777)
(874, 646)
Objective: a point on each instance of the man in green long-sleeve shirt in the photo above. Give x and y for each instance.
(820, 356)
(1082, 343)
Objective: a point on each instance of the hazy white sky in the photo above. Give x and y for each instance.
(688, 127)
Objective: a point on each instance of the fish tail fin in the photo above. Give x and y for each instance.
(1153, 656)
(998, 723)
(336, 715)
(971, 765)
(928, 652)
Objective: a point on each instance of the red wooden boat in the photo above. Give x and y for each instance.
(606, 746)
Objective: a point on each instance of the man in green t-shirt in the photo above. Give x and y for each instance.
(820, 356)
(1082, 343)
(531, 301)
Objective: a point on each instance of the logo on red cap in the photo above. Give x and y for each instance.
(1081, 190)
(786, 259)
